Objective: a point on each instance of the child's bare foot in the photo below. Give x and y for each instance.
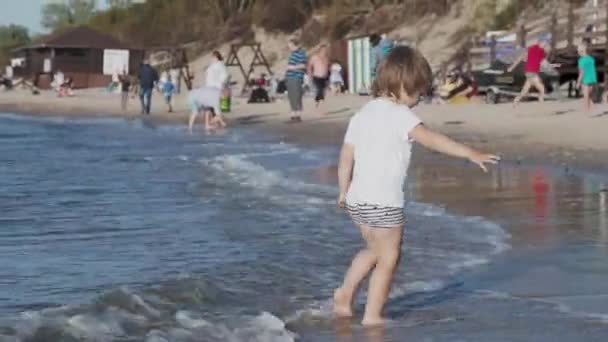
(372, 321)
(342, 304)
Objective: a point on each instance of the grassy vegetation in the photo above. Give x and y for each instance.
(161, 22)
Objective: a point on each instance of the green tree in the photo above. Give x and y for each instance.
(11, 36)
(56, 16)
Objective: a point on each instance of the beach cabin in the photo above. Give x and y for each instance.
(360, 60)
(88, 56)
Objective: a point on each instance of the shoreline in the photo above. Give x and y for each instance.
(537, 133)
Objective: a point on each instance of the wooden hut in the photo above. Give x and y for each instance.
(87, 56)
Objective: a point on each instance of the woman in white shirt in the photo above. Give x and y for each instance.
(217, 75)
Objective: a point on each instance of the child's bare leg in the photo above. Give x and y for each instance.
(360, 267)
(219, 118)
(193, 116)
(385, 243)
(587, 103)
(524, 91)
(540, 86)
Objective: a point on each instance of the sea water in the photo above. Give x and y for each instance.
(124, 230)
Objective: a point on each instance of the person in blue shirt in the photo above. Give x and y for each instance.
(587, 76)
(168, 90)
(294, 78)
(381, 46)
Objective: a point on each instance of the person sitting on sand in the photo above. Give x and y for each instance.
(207, 101)
(456, 89)
(372, 169)
(65, 89)
(587, 76)
(534, 57)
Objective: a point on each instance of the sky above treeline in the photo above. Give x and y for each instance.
(27, 13)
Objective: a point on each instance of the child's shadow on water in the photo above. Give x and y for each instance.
(403, 307)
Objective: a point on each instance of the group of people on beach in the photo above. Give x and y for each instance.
(536, 55)
(319, 70)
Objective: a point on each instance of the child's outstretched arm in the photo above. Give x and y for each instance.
(445, 145)
(345, 171)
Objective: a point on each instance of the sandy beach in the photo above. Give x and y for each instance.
(555, 132)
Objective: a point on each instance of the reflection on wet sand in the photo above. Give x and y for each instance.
(540, 204)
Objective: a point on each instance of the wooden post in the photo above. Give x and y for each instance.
(553, 31)
(570, 24)
(606, 52)
(468, 62)
(492, 49)
(521, 35)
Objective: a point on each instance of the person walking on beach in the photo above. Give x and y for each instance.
(206, 100)
(534, 57)
(294, 79)
(587, 76)
(381, 46)
(168, 90)
(148, 77)
(318, 69)
(125, 85)
(216, 73)
(372, 169)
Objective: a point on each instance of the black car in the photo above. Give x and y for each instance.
(496, 82)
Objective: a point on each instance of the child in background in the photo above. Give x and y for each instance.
(206, 100)
(168, 90)
(372, 169)
(125, 84)
(587, 77)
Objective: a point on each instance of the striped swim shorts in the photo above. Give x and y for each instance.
(375, 215)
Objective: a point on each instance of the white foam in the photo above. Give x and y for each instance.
(190, 320)
(87, 326)
(156, 336)
(250, 174)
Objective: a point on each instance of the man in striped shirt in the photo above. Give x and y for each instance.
(296, 69)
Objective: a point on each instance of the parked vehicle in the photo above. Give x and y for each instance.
(497, 84)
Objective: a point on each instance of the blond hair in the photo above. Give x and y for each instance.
(404, 69)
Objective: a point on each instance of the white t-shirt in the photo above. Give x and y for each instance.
(379, 133)
(216, 75)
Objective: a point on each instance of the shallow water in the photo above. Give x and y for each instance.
(123, 230)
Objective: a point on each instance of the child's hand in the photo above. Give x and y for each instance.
(342, 201)
(482, 158)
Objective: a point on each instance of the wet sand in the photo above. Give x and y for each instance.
(548, 286)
